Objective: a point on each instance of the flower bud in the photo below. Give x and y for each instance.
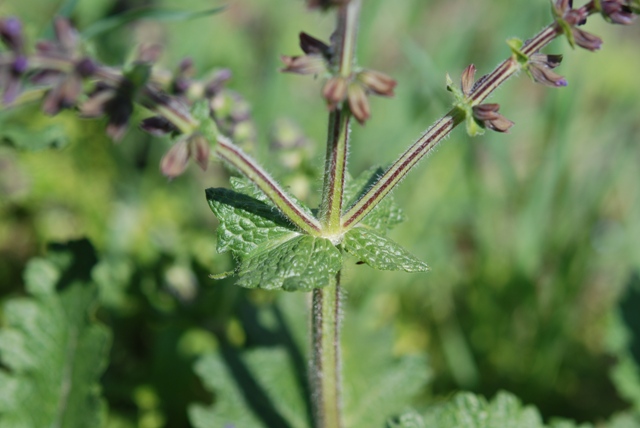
(11, 33)
(489, 116)
(468, 77)
(335, 91)
(174, 162)
(616, 12)
(305, 64)
(358, 102)
(586, 40)
(376, 82)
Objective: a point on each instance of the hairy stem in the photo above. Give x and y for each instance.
(436, 133)
(249, 168)
(339, 120)
(325, 366)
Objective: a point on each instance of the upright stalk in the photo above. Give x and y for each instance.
(326, 379)
(326, 382)
(339, 120)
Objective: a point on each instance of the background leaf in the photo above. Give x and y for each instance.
(54, 353)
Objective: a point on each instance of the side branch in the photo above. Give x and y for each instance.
(436, 133)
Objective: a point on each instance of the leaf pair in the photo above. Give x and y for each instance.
(273, 254)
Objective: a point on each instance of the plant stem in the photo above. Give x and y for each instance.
(339, 121)
(436, 133)
(232, 154)
(326, 382)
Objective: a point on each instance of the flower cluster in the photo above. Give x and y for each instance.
(567, 21)
(353, 89)
(617, 11)
(189, 110)
(480, 116)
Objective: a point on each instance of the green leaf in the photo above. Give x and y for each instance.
(623, 342)
(246, 221)
(300, 263)
(24, 135)
(410, 419)
(386, 214)
(467, 410)
(256, 389)
(273, 254)
(54, 352)
(156, 14)
(473, 127)
(378, 384)
(380, 252)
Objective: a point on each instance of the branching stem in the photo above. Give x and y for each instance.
(436, 133)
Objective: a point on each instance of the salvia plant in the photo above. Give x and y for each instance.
(277, 241)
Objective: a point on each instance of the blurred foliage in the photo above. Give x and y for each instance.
(531, 236)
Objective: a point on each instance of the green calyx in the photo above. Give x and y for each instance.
(465, 106)
(563, 25)
(515, 45)
(206, 125)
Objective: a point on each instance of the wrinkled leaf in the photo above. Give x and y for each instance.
(386, 214)
(380, 252)
(300, 263)
(245, 221)
(54, 352)
(273, 254)
(467, 410)
(152, 13)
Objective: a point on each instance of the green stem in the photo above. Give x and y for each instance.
(326, 379)
(335, 169)
(235, 157)
(339, 120)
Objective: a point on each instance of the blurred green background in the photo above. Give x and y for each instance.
(532, 236)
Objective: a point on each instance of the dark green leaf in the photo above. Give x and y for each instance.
(245, 221)
(156, 14)
(380, 252)
(54, 352)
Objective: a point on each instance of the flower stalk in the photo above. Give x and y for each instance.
(482, 89)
